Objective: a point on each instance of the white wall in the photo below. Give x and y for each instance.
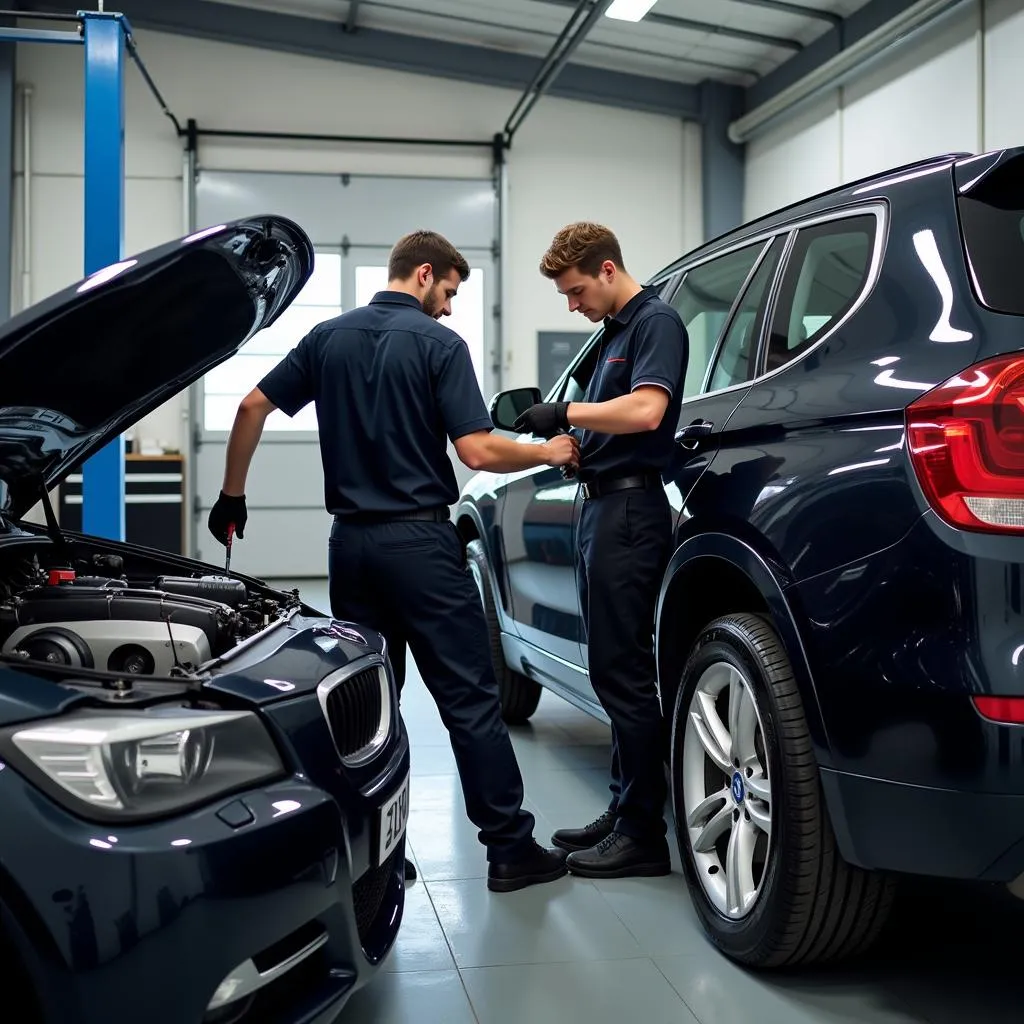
(569, 161)
(957, 88)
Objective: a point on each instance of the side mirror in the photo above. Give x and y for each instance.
(508, 406)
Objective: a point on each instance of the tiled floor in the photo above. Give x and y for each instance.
(630, 950)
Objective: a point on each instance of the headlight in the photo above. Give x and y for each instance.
(131, 765)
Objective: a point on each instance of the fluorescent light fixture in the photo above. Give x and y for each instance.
(629, 10)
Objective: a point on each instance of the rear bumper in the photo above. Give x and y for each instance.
(917, 830)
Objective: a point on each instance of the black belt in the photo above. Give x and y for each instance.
(607, 485)
(419, 515)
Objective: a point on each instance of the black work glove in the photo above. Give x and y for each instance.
(227, 509)
(545, 419)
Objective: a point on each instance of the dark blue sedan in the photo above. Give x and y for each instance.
(841, 624)
(204, 783)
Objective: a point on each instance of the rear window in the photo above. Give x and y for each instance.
(992, 220)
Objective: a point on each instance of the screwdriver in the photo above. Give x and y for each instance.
(231, 534)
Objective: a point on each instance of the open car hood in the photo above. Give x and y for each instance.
(79, 368)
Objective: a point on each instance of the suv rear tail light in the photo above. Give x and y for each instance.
(966, 442)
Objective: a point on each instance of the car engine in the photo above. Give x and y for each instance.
(160, 626)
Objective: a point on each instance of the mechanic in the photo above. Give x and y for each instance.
(626, 424)
(390, 383)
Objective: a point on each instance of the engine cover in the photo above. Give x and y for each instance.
(120, 630)
(131, 647)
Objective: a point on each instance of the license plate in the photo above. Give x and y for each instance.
(391, 821)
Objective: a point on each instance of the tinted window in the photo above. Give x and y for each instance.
(579, 377)
(704, 300)
(825, 274)
(735, 360)
(992, 219)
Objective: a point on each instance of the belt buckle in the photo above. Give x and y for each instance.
(586, 491)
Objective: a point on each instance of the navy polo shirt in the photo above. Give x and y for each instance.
(644, 343)
(391, 386)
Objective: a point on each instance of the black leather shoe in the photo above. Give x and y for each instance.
(539, 866)
(410, 870)
(619, 856)
(584, 838)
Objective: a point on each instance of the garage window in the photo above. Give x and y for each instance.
(825, 275)
(467, 319)
(229, 383)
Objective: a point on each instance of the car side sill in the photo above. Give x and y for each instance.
(553, 673)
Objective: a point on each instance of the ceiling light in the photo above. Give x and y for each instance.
(629, 10)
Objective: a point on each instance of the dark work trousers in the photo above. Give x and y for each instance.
(408, 581)
(624, 539)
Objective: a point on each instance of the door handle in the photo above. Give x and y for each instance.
(690, 435)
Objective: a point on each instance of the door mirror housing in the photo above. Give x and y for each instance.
(507, 406)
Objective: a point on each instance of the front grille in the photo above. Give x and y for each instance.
(369, 890)
(358, 710)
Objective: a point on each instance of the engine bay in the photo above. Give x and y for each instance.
(92, 615)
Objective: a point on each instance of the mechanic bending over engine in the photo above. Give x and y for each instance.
(626, 425)
(389, 383)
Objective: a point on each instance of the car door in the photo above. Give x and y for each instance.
(723, 303)
(539, 515)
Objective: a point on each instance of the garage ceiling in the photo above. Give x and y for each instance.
(684, 58)
(686, 41)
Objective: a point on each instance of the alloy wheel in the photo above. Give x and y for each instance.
(727, 794)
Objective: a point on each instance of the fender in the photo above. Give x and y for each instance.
(772, 584)
(491, 540)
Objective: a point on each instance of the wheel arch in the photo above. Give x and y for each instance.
(712, 574)
(470, 525)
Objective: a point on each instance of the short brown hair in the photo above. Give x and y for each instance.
(583, 245)
(419, 247)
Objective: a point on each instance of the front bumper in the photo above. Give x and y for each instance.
(146, 923)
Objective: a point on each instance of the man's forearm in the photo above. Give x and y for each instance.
(634, 413)
(245, 436)
(500, 455)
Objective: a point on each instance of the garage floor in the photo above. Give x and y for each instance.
(626, 950)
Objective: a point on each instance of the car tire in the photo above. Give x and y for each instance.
(781, 896)
(519, 694)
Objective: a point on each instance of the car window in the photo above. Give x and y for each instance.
(704, 300)
(575, 384)
(824, 276)
(992, 220)
(734, 363)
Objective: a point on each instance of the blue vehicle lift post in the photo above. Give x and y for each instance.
(105, 37)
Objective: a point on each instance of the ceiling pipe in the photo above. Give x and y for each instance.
(575, 31)
(854, 60)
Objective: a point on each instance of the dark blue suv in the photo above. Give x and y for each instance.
(841, 624)
(204, 783)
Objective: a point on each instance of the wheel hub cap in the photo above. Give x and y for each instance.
(738, 789)
(722, 792)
